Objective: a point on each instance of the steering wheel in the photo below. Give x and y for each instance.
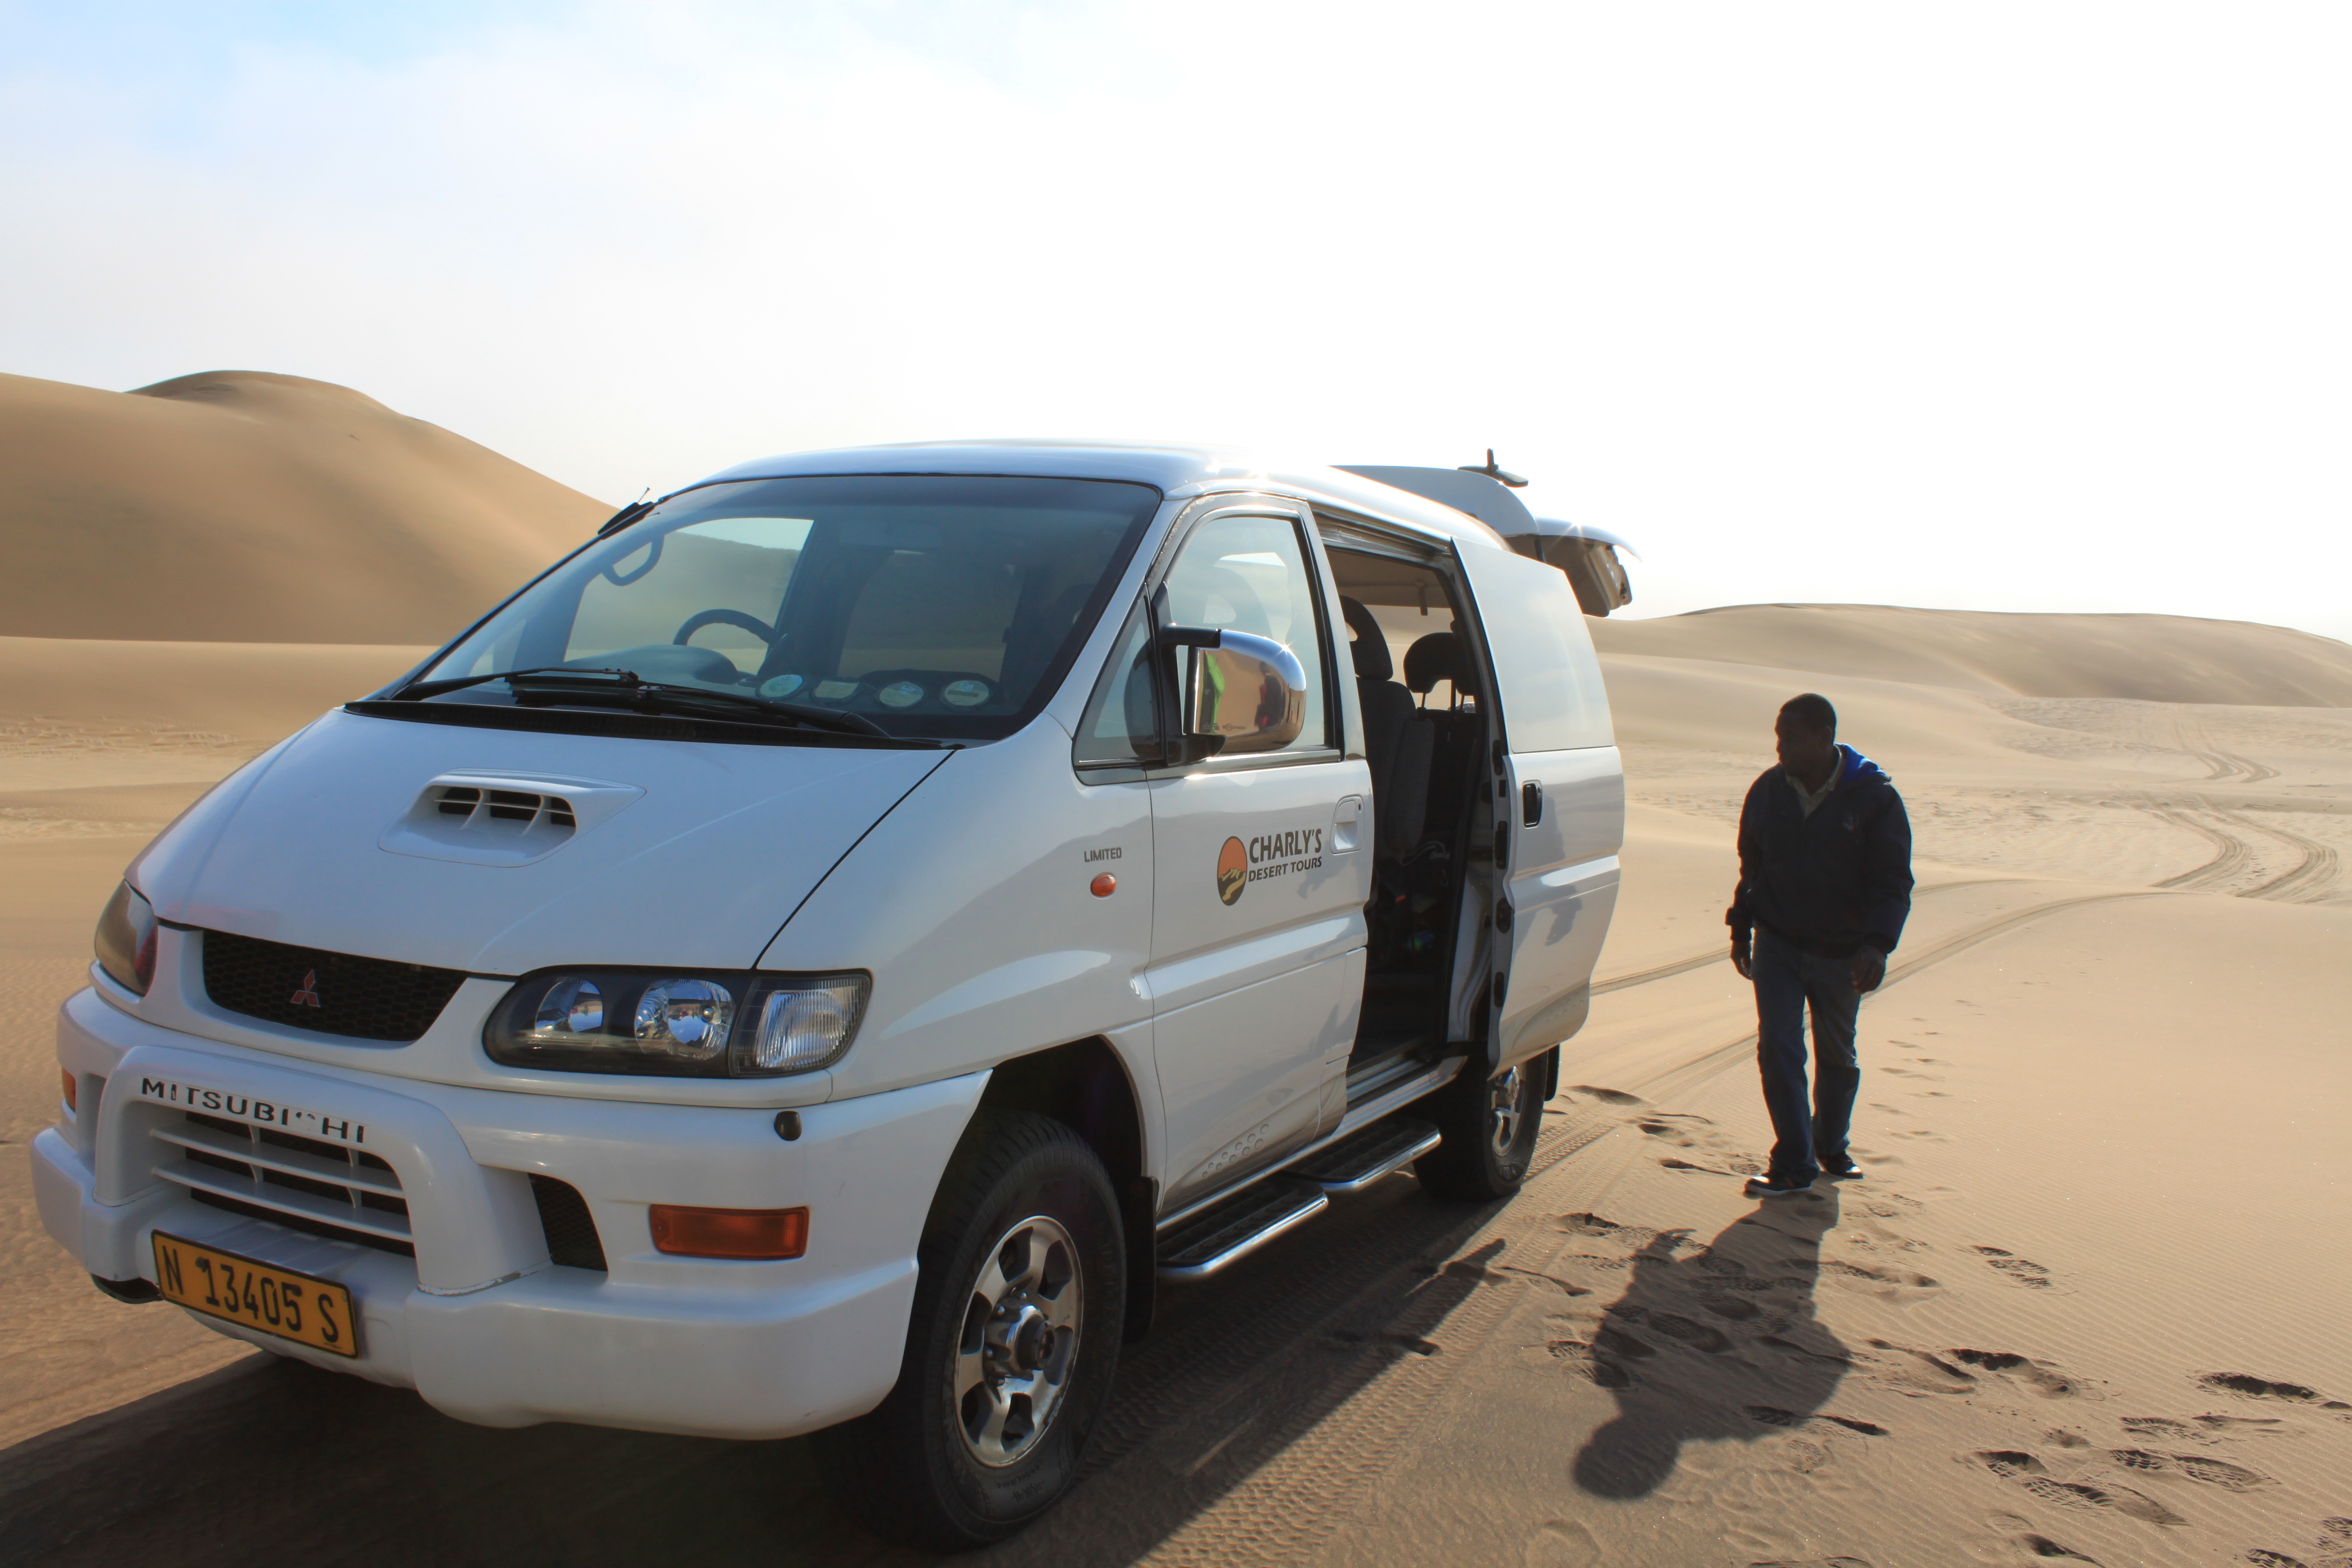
(701, 618)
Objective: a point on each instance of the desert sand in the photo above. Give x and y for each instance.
(2086, 1306)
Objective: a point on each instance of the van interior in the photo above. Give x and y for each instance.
(1425, 738)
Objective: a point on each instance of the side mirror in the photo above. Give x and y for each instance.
(1243, 693)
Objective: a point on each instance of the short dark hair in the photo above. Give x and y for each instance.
(1813, 711)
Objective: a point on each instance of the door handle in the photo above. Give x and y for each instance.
(1531, 804)
(1346, 817)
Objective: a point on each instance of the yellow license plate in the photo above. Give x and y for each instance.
(298, 1307)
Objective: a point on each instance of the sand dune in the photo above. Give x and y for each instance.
(243, 507)
(2152, 658)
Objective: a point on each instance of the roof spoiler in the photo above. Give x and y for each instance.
(1586, 556)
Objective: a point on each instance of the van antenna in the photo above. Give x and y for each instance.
(1500, 475)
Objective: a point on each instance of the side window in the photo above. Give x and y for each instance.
(1121, 728)
(1249, 574)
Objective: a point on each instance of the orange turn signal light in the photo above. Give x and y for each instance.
(69, 1092)
(730, 1233)
(1104, 886)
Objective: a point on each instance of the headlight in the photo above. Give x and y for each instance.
(733, 1024)
(126, 940)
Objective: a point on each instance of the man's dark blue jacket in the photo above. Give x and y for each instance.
(1832, 881)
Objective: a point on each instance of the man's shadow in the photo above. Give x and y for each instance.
(1713, 1342)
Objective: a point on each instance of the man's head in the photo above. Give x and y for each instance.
(1806, 733)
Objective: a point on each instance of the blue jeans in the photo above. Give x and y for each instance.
(1809, 1131)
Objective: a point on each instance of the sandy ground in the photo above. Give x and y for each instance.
(2087, 1305)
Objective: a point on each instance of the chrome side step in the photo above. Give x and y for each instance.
(1361, 1113)
(1358, 1162)
(1230, 1231)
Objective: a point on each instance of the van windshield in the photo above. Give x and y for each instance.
(941, 605)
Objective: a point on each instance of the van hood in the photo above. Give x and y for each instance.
(348, 838)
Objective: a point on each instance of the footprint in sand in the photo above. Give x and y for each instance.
(1562, 1543)
(1926, 1373)
(2013, 1464)
(2035, 1375)
(1773, 1416)
(2016, 1270)
(2196, 1467)
(1609, 1096)
(2042, 1546)
(1752, 1168)
(2250, 1388)
(1697, 1335)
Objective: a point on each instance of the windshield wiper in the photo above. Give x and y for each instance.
(635, 691)
(655, 696)
(417, 690)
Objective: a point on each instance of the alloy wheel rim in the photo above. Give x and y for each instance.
(1503, 1111)
(1020, 1340)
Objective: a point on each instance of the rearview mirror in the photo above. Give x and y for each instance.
(1243, 693)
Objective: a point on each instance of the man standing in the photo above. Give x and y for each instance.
(1825, 889)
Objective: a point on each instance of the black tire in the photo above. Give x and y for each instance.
(1490, 1126)
(1020, 1186)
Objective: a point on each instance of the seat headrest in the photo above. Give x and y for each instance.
(1370, 649)
(1438, 657)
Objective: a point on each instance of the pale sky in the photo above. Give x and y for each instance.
(2003, 306)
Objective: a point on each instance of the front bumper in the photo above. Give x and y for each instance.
(479, 1321)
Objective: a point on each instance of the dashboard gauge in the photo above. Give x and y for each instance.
(782, 686)
(900, 694)
(965, 693)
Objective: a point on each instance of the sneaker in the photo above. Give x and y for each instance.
(1842, 1169)
(1776, 1187)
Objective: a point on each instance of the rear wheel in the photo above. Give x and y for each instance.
(1011, 1346)
(1490, 1126)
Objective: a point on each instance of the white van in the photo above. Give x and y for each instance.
(827, 951)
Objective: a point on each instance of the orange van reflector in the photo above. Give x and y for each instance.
(69, 1092)
(730, 1233)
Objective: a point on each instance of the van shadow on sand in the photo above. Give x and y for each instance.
(1710, 1341)
(320, 1467)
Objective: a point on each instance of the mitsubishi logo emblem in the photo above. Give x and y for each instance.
(309, 995)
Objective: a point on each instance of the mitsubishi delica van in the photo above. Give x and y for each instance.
(825, 954)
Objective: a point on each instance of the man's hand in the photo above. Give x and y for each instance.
(1869, 970)
(1739, 959)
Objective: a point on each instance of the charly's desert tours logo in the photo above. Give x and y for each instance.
(1267, 855)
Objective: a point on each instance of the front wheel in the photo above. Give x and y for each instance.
(1490, 1126)
(1011, 1346)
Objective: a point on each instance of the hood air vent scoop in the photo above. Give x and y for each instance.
(500, 819)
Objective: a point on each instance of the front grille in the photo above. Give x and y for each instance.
(304, 1184)
(572, 1238)
(326, 993)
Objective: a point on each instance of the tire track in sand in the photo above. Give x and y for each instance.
(1721, 953)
